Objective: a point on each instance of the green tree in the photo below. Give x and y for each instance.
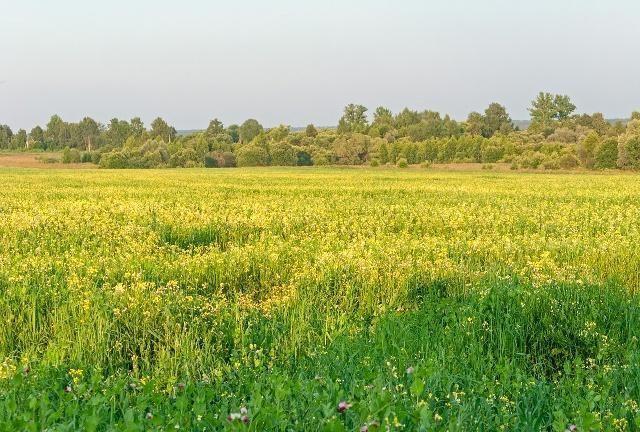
(249, 130)
(36, 137)
(606, 154)
(117, 132)
(496, 119)
(383, 116)
(234, 132)
(57, 132)
(354, 119)
(543, 113)
(563, 106)
(215, 128)
(383, 153)
(629, 146)
(137, 127)
(160, 129)
(406, 118)
(474, 123)
(19, 140)
(586, 149)
(311, 131)
(6, 134)
(279, 133)
(89, 131)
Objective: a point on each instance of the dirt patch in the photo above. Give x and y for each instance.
(38, 160)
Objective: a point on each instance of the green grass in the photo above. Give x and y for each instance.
(163, 300)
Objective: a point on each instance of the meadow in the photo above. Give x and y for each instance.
(318, 299)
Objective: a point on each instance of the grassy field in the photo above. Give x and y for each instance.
(318, 299)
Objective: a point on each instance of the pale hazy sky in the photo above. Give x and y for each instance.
(295, 62)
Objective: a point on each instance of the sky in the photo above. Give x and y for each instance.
(299, 62)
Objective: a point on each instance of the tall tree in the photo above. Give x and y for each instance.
(311, 131)
(36, 137)
(543, 112)
(57, 132)
(117, 132)
(234, 131)
(5, 136)
(215, 128)
(496, 119)
(354, 119)
(474, 123)
(160, 129)
(383, 116)
(19, 140)
(250, 129)
(564, 107)
(137, 127)
(89, 131)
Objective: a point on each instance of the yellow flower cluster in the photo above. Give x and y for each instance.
(102, 267)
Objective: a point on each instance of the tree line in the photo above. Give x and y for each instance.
(557, 138)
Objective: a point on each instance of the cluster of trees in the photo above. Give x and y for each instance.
(556, 138)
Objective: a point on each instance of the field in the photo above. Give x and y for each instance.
(318, 299)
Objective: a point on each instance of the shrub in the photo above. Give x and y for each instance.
(606, 154)
(210, 160)
(402, 163)
(113, 159)
(374, 163)
(531, 160)
(182, 157)
(70, 155)
(303, 158)
(492, 154)
(629, 146)
(551, 164)
(282, 154)
(568, 161)
(219, 159)
(425, 164)
(252, 155)
(229, 159)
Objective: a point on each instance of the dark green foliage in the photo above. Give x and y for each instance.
(606, 154)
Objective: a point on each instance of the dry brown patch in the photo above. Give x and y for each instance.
(38, 160)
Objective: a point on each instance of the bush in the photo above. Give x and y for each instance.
(113, 159)
(210, 161)
(182, 157)
(70, 155)
(425, 164)
(303, 158)
(551, 163)
(531, 160)
(402, 163)
(629, 151)
(568, 161)
(374, 163)
(492, 154)
(252, 155)
(606, 154)
(219, 159)
(282, 154)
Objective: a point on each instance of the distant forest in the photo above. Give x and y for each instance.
(555, 138)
